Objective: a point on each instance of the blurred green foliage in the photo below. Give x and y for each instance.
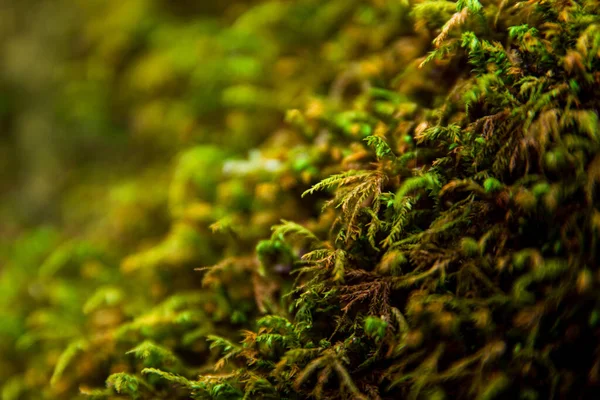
(270, 199)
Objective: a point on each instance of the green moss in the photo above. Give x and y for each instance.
(281, 200)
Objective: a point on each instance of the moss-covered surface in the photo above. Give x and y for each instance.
(366, 199)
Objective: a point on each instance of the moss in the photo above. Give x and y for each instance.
(298, 200)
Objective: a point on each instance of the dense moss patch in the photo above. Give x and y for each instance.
(330, 200)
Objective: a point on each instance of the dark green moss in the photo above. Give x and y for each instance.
(399, 199)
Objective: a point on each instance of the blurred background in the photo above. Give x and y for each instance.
(92, 92)
(114, 116)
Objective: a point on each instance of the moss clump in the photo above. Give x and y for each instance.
(424, 223)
